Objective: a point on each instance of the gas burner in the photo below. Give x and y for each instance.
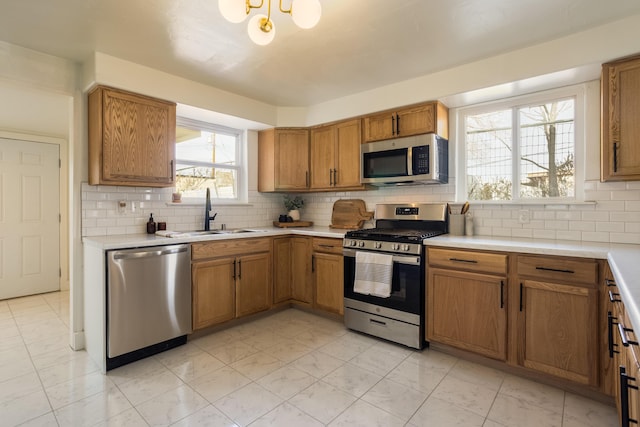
(393, 234)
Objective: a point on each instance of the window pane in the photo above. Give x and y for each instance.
(489, 153)
(546, 150)
(192, 181)
(203, 146)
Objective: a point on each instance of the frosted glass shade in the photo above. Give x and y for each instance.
(255, 32)
(306, 13)
(233, 10)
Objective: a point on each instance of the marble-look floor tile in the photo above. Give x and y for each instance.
(287, 381)
(533, 393)
(233, 352)
(510, 411)
(477, 374)
(93, 409)
(217, 384)
(363, 414)
(171, 406)
(192, 367)
(257, 365)
(345, 348)
(145, 388)
(209, 416)
(439, 413)
(46, 420)
(395, 398)
(352, 379)
(24, 407)
(317, 364)
(322, 401)
(286, 415)
(466, 395)
(76, 389)
(138, 369)
(247, 404)
(18, 387)
(128, 418)
(379, 360)
(580, 411)
(288, 351)
(421, 377)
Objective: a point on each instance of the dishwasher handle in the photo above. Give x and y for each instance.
(147, 253)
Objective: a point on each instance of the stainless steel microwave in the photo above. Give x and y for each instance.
(420, 159)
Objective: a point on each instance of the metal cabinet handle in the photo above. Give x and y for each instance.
(501, 293)
(335, 177)
(469, 261)
(234, 269)
(393, 124)
(613, 297)
(611, 320)
(377, 322)
(397, 124)
(239, 269)
(555, 270)
(171, 168)
(610, 283)
(521, 288)
(624, 397)
(623, 335)
(615, 157)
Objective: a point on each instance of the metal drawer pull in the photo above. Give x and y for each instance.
(470, 261)
(327, 246)
(613, 297)
(623, 335)
(555, 270)
(611, 320)
(521, 296)
(610, 282)
(624, 397)
(501, 293)
(377, 322)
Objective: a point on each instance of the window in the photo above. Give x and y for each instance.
(521, 150)
(208, 156)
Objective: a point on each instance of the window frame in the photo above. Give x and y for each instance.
(577, 92)
(240, 167)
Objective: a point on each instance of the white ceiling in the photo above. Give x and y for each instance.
(358, 45)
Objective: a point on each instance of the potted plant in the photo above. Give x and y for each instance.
(293, 204)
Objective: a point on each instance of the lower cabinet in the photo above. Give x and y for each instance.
(230, 279)
(466, 309)
(328, 274)
(292, 270)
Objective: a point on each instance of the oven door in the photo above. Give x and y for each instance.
(407, 290)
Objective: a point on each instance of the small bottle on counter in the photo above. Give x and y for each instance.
(468, 224)
(151, 225)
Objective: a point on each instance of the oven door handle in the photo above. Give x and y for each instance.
(400, 259)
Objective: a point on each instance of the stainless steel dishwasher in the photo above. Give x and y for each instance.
(148, 301)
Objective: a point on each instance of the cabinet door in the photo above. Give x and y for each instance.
(347, 164)
(291, 159)
(329, 279)
(558, 330)
(322, 156)
(282, 269)
(416, 120)
(213, 292)
(379, 126)
(302, 281)
(468, 311)
(135, 136)
(253, 284)
(620, 126)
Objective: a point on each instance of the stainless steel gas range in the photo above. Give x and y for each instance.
(384, 272)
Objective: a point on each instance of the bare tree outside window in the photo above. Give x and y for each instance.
(540, 165)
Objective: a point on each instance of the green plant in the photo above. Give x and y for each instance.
(293, 203)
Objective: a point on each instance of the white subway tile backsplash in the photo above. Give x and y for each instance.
(595, 236)
(569, 235)
(610, 226)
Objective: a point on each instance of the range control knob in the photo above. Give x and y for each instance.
(405, 248)
(395, 247)
(351, 242)
(377, 245)
(361, 244)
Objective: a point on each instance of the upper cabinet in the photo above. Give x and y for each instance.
(283, 159)
(335, 156)
(620, 125)
(131, 139)
(432, 117)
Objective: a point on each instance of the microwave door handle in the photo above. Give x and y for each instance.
(409, 161)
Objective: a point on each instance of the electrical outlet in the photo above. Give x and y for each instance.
(122, 207)
(524, 217)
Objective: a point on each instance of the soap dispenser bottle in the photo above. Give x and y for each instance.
(151, 225)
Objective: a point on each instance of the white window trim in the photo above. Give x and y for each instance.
(242, 167)
(578, 92)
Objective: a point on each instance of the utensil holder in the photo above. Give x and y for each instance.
(456, 224)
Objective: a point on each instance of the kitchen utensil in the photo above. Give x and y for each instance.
(349, 214)
(465, 208)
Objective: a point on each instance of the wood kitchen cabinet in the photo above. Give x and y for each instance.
(335, 156)
(432, 117)
(131, 139)
(328, 274)
(230, 279)
(556, 319)
(466, 300)
(283, 160)
(620, 126)
(292, 270)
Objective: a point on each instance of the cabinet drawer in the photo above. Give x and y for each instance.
(466, 260)
(583, 271)
(230, 247)
(332, 246)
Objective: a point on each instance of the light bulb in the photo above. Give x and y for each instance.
(233, 10)
(306, 13)
(256, 34)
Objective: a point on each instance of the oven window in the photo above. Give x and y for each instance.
(384, 164)
(407, 289)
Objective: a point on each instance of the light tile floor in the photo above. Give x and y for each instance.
(291, 368)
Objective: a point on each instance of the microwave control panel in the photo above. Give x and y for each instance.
(420, 160)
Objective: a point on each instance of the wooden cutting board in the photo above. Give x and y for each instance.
(349, 214)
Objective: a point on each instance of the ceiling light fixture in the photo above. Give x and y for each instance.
(304, 13)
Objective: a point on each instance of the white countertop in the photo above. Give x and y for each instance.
(623, 259)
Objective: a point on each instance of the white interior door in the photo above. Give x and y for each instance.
(29, 218)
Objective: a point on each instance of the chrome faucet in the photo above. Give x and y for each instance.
(207, 212)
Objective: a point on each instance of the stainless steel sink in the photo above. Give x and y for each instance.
(230, 231)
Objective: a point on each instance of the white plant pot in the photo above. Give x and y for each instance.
(295, 215)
